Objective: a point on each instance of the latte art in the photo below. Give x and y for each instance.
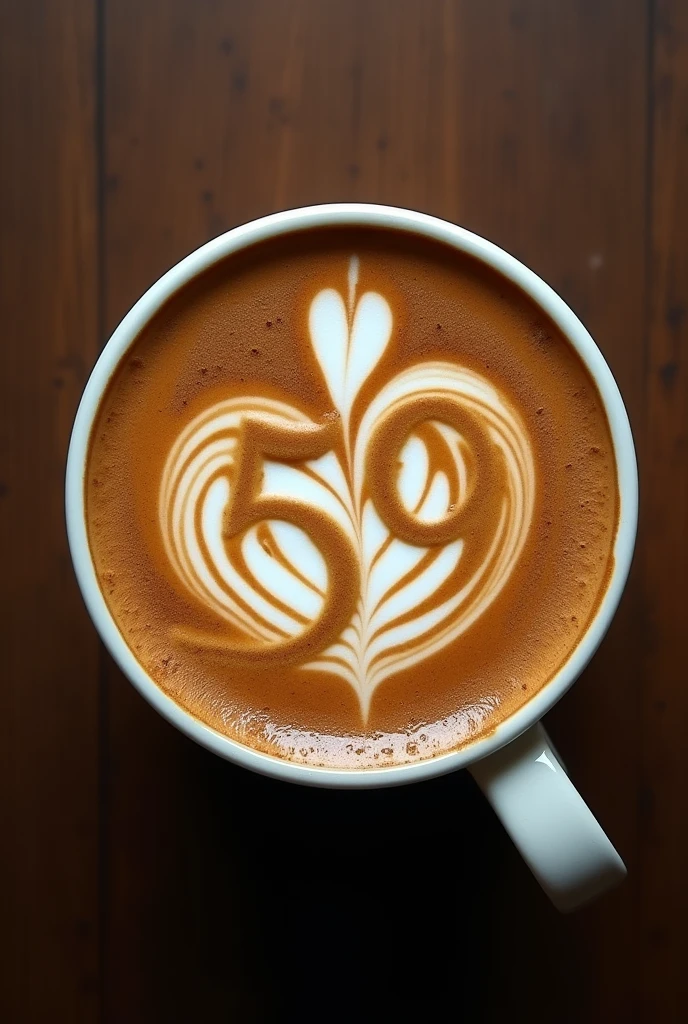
(402, 556)
(351, 511)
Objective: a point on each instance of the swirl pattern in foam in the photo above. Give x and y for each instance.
(431, 489)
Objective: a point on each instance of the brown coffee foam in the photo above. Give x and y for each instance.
(242, 328)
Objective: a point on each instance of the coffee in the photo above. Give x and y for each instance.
(351, 497)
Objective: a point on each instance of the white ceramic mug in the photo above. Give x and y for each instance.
(516, 765)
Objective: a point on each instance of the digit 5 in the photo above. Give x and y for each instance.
(262, 439)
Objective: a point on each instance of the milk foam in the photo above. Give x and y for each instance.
(414, 599)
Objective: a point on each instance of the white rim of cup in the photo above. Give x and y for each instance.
(351, 215)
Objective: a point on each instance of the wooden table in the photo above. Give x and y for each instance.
(142, 878)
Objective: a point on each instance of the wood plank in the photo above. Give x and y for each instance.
(664, 800)
(49, 693)
(526, 121)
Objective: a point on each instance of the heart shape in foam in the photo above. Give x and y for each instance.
(415, 598)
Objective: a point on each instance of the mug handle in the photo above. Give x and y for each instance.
(550, 823)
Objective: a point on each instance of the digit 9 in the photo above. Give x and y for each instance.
(382, 470)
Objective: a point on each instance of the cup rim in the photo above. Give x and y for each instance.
(350, 215)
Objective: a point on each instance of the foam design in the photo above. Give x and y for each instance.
(414, 598)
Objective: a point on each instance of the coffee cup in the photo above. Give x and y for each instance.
(515, 763)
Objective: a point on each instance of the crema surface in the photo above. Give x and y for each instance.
(351, 498)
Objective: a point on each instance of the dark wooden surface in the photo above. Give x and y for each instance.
(144, 880)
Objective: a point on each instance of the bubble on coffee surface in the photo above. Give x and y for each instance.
(418, 509)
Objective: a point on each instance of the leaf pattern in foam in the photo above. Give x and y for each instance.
(348, 352)
(427, 583)
(398, 623)
(386, 563)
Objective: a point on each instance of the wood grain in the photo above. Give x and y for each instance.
(150, 881)
(663, 825)
(49, 690)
